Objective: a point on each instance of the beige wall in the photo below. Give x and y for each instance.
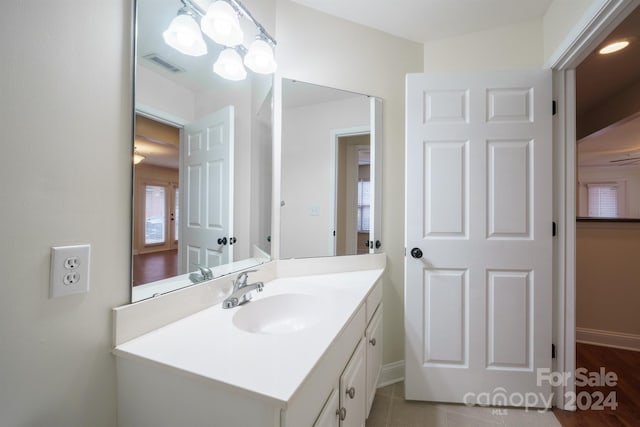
(317, 48)
(562, 21)
(513, 47)
(65, 112)
(607, 277)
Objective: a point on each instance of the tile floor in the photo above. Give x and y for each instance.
(391, 410)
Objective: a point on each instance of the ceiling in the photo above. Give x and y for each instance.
(599, 77)
(425, 20)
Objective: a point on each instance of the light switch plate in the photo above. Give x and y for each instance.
(69, 270)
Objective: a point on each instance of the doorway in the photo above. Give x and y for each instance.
(607, 230)
(590, 33)
(156, 213)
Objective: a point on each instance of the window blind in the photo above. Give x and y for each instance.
(603, 200)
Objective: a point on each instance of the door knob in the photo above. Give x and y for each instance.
(342, 413)
(351, 392)
(222, 241)
(232, 240)
(416, 253)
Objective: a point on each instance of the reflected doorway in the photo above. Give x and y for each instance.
(353, 178)
(156, 214)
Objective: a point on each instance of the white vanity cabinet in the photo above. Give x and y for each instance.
(349, 402)
(345, 405)
(166, 378)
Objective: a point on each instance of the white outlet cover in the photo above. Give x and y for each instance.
(62, 257)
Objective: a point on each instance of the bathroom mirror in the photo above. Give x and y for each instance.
(331, 165)
(203, 154)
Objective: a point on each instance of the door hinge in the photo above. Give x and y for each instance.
(553, 351)
(554, 229)
(334, 233)
(554, 108)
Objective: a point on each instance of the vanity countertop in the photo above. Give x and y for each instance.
(208, 344)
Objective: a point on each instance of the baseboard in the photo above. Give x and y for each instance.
(608, 339)
(391, 373)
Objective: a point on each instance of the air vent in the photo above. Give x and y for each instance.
(158, 60)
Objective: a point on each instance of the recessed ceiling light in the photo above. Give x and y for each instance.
(614, 47)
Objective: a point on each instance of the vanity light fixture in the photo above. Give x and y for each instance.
(137, 158)
(614, 47)
(229, 65)
(220, 23)
(259, 58)
(184, 34)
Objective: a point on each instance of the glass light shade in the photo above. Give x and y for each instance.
(184, 36)
(259, 58)
(137, 158)
(221, 24)
(229, 65)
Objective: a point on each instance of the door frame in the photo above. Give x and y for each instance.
(596, 24)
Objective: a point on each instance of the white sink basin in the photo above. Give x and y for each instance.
(280, 314)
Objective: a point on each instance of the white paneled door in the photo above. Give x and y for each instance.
(478, 271)
(206, 169)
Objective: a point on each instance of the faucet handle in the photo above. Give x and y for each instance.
(205, 271)
(244, 275)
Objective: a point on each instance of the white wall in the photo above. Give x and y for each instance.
(317, 48)
(516, 46)
(65, 115)
(306, 173)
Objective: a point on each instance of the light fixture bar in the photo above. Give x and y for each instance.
(245, 12)
(239, 7)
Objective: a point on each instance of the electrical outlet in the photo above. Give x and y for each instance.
(69, 270)
(72, 263)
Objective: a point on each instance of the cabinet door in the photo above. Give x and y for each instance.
(353, 390)
(329, 416)
(373, 336)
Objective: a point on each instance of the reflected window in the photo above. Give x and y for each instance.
(154, 209)
(603, 200)
(364, 205)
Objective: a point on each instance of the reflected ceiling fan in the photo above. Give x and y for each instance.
(627, 161)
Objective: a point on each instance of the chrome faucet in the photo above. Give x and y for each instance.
(241, 290)
(205, 274)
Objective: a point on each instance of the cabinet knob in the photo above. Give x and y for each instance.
(342, 413)
(351, 392)
(373, 341)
